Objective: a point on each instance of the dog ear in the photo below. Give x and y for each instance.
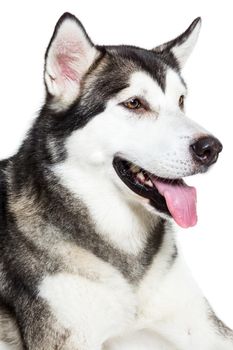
(68, 57)
(182, 46)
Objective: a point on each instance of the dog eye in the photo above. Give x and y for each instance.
(181, 102)
(133, 103)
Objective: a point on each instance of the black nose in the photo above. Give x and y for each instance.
(205, 150)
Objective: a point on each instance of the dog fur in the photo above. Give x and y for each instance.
(86, 263)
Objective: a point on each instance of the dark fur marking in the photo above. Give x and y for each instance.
(3, 194)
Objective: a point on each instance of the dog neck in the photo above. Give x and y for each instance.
(119, 221)
(64, 216)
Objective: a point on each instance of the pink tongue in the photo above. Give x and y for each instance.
(181, 202)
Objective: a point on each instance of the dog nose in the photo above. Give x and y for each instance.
(206, 150)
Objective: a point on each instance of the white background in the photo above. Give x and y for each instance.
(25, 30)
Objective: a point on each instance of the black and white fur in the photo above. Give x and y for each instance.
(85, 263)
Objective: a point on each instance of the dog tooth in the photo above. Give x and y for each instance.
(141, 177)
(135, 168)
(149, 183)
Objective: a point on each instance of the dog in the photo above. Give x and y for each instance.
(88, 256)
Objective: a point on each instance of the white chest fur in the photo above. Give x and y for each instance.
(95, 300)
(92, 311)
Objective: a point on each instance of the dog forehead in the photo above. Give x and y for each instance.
(145, 72)
(143, 81)
(175, 84)
(142, 84)
(130, 59)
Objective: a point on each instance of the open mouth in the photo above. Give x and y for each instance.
(171, 197)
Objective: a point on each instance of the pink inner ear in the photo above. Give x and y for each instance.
(69, 57)
(67, 66)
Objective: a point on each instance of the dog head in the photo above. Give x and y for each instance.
(119, 112)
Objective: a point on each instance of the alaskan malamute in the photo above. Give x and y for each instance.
(88, 259)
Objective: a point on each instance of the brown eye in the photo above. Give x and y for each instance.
(133, 103)
(181, 101)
